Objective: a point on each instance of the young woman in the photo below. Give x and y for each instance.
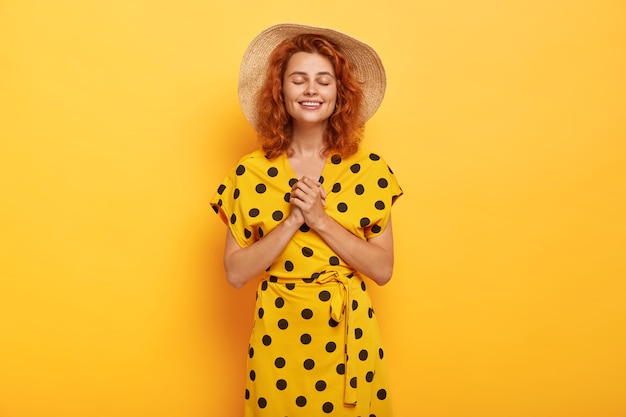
(309, 212)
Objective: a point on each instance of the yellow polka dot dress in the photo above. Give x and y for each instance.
(315, 348)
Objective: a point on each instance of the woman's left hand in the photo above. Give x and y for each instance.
(309, 196)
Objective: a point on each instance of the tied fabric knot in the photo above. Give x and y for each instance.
(340, 296)
(340, 302)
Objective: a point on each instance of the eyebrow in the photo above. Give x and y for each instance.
(318, 74)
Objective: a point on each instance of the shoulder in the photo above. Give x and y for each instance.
(253, 161)
(365, 158)
(253, 158)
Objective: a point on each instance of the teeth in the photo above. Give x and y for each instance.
(310, 103)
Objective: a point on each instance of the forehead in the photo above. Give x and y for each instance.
(310, 63)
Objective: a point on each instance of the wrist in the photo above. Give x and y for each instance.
(321, 224)
(291, 223)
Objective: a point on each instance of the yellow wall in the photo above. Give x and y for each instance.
(504, 121)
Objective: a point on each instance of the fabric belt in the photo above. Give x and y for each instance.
(340, 308)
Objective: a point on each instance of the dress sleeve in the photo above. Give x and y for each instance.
(388, 190)
(226, 204)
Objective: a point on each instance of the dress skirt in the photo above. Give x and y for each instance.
(315, 350)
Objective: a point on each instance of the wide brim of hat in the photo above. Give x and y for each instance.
(366, 65)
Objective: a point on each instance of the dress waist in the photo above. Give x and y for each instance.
(340, 302)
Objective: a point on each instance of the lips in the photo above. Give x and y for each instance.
(310, 104)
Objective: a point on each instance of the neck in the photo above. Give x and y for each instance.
(307, 140)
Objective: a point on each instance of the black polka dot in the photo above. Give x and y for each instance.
(240, 170)
(370, 312)
(359, 189)
(267, 340)
(253, 212)
(332, 322)
(301, 401)
(283, 324)
(380, 205)
(328, 407)
(341, 369)
(292, 182)
(358, 333)
(247, 233)
(336, 187)
(369, 377)
(261, 312)
(308, 280)
(260, 233)
(260, 188)
(287, 197)
(304, 228)
(374, 157)
(365, 221)
(252, 375)
(273, 278)
(382, 183)
(221, 189)
(279, 362)
(381, 394)
(342, 207)
(324, 295)
(264, 285)
(363, 287)
(305, 339)
(277, 215)
(308, 252)
(289, 266)
(335, 159)
(215, 209)
(330, 347)
(247, 394)
(280, 302)
(333, 260)
(262, 402)
(233, 218)
(251, 352)
(376, 228)
(281, 384)
(321, 179)
(381, 353)
(355, 305)
(353, 382)
(320, 385)
(307, 313)
(236, 193)
(272, 172)
(363, 355)
(290, 286)
(309, 364)
(355, 168)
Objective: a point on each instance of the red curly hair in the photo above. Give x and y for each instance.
(343, 132)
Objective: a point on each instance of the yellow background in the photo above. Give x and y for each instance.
(504, 121)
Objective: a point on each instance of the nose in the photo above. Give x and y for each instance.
(310, 89)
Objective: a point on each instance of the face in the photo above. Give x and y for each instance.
(309, 88)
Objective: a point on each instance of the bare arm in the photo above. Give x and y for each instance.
(243, 264)
(373, 257)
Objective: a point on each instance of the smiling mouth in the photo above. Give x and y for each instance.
(310, 104)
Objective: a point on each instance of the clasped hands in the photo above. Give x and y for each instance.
(307, 201)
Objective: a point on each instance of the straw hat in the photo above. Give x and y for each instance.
(367, 66)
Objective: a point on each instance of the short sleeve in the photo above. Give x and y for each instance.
(387, 191)
(226, 203)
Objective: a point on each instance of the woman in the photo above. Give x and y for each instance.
(310, 212)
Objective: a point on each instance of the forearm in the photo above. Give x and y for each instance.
(373, 258)
(244, 264)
